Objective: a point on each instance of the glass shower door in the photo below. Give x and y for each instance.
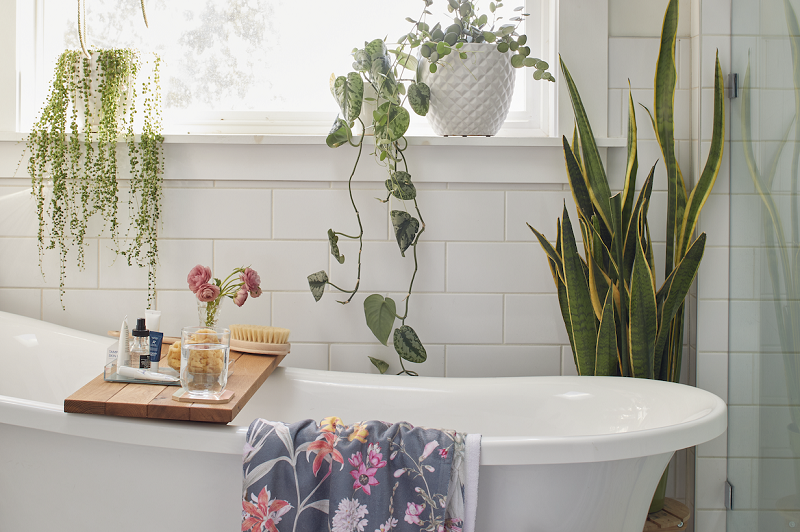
(764, 313)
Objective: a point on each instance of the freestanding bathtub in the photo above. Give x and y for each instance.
(559, 454)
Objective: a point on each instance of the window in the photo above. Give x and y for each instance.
(243, 66)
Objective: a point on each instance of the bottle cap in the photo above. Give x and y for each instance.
(141, 328)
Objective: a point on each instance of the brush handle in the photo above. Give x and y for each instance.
(258, 348)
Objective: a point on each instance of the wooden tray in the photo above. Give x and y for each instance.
(154, 401)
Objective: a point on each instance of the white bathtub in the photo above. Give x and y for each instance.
(560, 454)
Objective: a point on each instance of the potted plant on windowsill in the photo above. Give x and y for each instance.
(618, 322)
(470, 66)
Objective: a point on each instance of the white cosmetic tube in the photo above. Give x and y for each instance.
(124, 352)
(153, 320)
(143, 374)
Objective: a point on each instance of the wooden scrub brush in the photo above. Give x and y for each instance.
(260, 339)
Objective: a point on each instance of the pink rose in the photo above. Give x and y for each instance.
(198, 276)
(251, 280)
(256, 292)
(241, 297)
(207, 292)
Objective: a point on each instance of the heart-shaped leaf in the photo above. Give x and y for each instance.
(317, 282)
(339, 134)
(376, 48)
(349, 94)
(333, 240)
(380, 364)
(419, 97)
(362, 61)
(408, 346)
(405, 60)
(405, 229)
(380, 314)
(396, 124)
(401, 186)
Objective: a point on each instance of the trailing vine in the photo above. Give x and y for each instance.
(91, 106)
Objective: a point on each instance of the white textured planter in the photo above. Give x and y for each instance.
(470, 96)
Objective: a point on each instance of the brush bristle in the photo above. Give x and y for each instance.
(261, 334)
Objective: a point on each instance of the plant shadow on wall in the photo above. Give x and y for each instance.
(377, 86)
(617, 322)
(781, 246)
(90, 108)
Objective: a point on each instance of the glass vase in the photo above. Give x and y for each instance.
(208, 313)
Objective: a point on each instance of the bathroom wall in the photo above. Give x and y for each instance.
(483, 301)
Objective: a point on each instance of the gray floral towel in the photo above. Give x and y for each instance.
(369, 476)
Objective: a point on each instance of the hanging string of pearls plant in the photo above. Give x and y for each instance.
(73, 145)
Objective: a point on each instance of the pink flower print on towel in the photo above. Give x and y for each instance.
(413, 512)
(263, 513)
(375, 455)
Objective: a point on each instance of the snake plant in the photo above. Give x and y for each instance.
(617, 320)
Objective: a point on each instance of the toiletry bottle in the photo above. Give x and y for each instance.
(140, 350)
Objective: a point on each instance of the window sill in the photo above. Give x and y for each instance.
(511, 139)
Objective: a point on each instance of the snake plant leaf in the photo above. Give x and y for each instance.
(561, 290)
(317, 282)
(405, 229)
(704, 185)
(593, 166)
(632, 167)
(642, 205)
(376, 48)
(576, 145)
(607, 363)
(642, 315)
(419, 97)
(581, 313)
(380, 314)
(401, 187)
(577, 182)
(396, 124)
(408, 346)
(333, 240)
(673, 292)
(349, 94)
(663, 123)
(380, 364)
(552, 254)
(339, 134)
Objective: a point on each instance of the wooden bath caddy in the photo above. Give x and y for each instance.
(154, 401)
(672, 517)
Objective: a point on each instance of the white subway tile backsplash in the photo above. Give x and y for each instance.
(307, 356)
(712, 373)
(383, 269)
(455, 318)
(616, 118)
(632, 59)
(498, 267)
(456, 215)
(712, 277)
(94, 311)
(216, 213)
(355, 358)
(323, 321)
(308, 214)
(711, 475)
(502, 360)
(534, 319)
(21, 265)
(540, 210)
(282, 265)
(712, 326)
(18, 213)
(26, 302)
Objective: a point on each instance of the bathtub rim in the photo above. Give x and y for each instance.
(496, 450)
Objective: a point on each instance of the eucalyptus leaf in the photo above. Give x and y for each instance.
(380, 364)
(408, 345)
(333, 241)
(380, 315)
(489, 36)
(405, 229)
(317, 282)
(419, 97)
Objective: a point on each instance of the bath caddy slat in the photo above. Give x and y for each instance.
(672, 517)
(154, 401)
